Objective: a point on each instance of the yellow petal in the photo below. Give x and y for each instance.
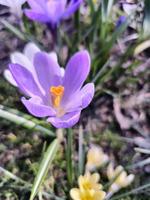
(100, 195)
(110, 171)
(95, 177)
(118, 170)
(95, 157)
(80, 181)
(121, 180)
(75, 194)
(141, 47)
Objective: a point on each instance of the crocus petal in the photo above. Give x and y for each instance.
(6, 2)
(55, 10)
(76, 72)
(53, 55)
(30, 50)
(36, 4)
(36, 108)
(122, 19)
(33, 15)
(11, 3)
(52, 11)
(74, 103)
(87, 93)
(95, 178)
(48, 70)
(16, 10)
(129, 179)
(19, 1)
(80, 99)
(62, 71)
(72, 7)
(22, 1)
(66, 121)
(25, 80)
(21, 59)
(99, 195)
(9, 77)
(75, 194)
(15, 6)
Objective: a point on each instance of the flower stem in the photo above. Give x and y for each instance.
(81, 152)
(69, 149)
(53, 29)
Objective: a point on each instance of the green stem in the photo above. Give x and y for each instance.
(69, 156)
(81, 154)
(77, 25)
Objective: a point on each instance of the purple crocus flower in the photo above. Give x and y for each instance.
(58, 97)
(51, 11)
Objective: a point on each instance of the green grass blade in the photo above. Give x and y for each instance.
(25, 121)
(134, 191)
(14, 30)
(109, 7)
(106, 9)
(146, 21)
(24, 36)
(141, 150)
(44, 166)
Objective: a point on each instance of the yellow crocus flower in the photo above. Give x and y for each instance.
(121, 179)
(96, 157)
(89, 188)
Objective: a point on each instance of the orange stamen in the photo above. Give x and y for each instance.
(57, 94)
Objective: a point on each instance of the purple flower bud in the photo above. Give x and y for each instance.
(121, 20)
(51, 11)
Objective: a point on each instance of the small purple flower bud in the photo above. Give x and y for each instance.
(51, 11)
(122, 19)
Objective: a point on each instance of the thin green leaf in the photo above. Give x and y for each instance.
(23, 120)
(142, 47)
(14, 30)
(20, 34)
(106, 9)
(139, 164)
(134, 191)
(91, 5)
(27, 185)
(44, 166)
(141, 150)
(146, 20)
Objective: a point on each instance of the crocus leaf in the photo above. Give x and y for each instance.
(109, 7)
(24, 120)
(44, 166)
(13, 29)
(141, 47)
(133, 191)
(146, 21)
(106, 9)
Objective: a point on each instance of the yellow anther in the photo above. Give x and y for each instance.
(56, 94)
